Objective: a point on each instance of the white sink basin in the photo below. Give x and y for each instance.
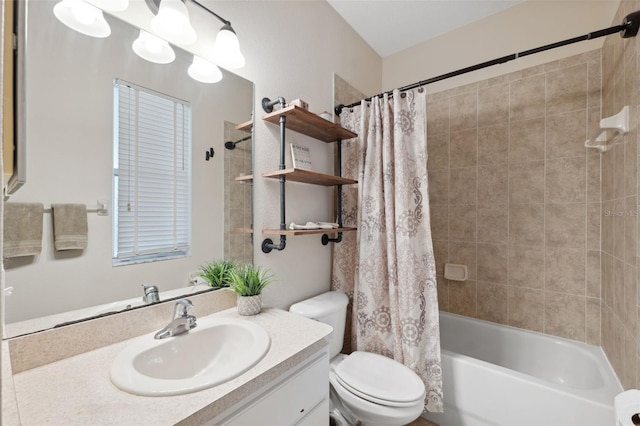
(216, 351)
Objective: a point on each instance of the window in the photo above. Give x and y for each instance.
(151, 175)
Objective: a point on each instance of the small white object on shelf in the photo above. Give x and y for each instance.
(618, 123)
(301, 157)
(314, 225)
(455, 272)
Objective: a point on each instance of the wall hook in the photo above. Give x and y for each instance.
(208, 154)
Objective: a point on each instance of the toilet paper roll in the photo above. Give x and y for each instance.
(627, 406)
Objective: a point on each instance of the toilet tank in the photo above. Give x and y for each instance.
(328, 308)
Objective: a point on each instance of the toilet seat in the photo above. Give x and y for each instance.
(379, 380)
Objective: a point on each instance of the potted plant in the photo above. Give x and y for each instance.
(216, 273)
(248, 281)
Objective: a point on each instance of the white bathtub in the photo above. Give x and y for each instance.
(499, 375)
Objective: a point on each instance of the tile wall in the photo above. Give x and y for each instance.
(620, 297)
(237, 195)
(515, 196)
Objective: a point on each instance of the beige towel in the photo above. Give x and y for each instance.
(69, 226)
(22, 229)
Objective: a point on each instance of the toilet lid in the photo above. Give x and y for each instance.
(379, 379)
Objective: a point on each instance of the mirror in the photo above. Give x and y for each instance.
(69, 136)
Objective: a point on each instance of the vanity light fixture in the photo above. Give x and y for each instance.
(153, 48)
(172, 23)
(82, 17)
(204, 71)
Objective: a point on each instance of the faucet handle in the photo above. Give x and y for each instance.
(150, 293)
(182, 308)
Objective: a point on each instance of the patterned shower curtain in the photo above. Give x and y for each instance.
(387, 268)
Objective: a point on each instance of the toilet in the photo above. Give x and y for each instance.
(365, 387)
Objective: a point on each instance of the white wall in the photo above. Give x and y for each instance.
(527, 25)
(293, 58)
(292, 50)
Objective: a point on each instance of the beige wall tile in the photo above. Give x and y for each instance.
(565, 270)
(608, 176)
(607, 217)
(526, 224)
(463, 253)
(565, 225)
(593, 178)
(594, 272)
(607, 279)
(464, 109)
(462, 185)
(493, 144)
(462, 223)
(629, 312)
(566, 134)
(565, 315)
(493, 262)
(493, 105)
(525, 308)
(437, 116)
(619, 178)
(631, 163)
(594, 213)
(493, 223)
(565, 180)
(438, 150)
(527, 98)
(567, 89)
(463, 148)
(493, 184)
(630, 229)
(439, 216)
(526, 182)
(619, 219)
(462, 298)
(629, 376)
(527, 140)
(526, 266)
(492, 302)
(618, 287)
(595, 80)
(593, 321)
(438, 186)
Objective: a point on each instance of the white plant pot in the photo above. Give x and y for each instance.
(249, 305)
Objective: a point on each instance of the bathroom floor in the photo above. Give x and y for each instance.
(421, 422)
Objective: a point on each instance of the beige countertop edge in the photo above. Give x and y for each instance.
(78, 391)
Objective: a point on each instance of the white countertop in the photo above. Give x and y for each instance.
(77, 390)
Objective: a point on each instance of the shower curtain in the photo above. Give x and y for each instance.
(387, 268)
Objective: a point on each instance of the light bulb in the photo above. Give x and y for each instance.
(204, 71)
(172, 23)
(82, 17)
(153, 48)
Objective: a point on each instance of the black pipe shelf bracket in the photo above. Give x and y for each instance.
(318, 128)
(627, 29)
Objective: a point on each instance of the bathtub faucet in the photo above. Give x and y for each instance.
(182, 321)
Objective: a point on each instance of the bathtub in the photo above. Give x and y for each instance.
(500, 375)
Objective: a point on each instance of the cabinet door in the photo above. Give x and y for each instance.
(292, 399)
(319, 416)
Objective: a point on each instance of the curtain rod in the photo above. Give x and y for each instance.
(628, 28)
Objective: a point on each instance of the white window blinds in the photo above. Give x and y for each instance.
(152, 175)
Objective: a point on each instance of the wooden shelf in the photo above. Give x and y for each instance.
(293, 232)
(245, 178)
(246, 126)
(310, 124)
(243, 231)
(308, 176)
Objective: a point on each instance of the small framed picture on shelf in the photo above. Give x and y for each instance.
(301, 157)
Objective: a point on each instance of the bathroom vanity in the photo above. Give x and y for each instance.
(288, 386)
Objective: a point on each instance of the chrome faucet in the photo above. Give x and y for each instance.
(151, 294)
(182, 321)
